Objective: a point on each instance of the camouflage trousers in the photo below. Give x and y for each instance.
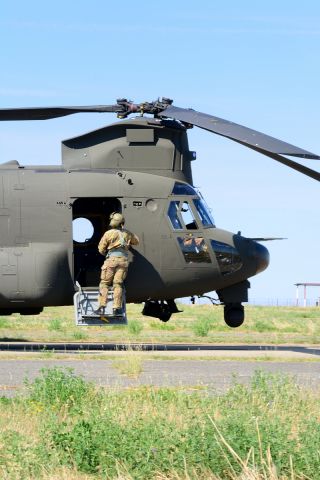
(113, 272)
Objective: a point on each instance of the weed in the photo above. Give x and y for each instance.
(80, 335)
(57, 387)
(55, 325)
(4, 401)
(129, 363)
(4, 322)
(135, 327)
(201, 327)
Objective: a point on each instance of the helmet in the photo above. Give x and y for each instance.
(116, 219)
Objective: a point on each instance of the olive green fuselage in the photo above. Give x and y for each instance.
(132, 167)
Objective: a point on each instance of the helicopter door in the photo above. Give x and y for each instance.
(90, 221)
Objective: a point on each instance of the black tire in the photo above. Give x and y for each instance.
(234, 315)
(165, 316)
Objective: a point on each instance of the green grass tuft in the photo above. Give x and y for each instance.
(80, 335)
(4, 322)
(201, 327)
(55, 325)
(135, 327)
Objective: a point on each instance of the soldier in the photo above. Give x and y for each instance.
(114, 244)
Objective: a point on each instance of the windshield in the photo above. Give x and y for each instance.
(228, 257)
(183, 189)
(204, 213)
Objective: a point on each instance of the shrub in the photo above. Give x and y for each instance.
(135, 327)
(57, 387)
(201, 327)
(4, 323)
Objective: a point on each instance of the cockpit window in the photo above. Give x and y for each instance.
(228, 257)
(183, 189)
(204, 214)
(194, 249)
(188, 217)
(173, 215)
(181, 215)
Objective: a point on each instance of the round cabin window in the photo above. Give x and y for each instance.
(82, 230)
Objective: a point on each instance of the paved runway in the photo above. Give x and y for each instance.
(215, 375)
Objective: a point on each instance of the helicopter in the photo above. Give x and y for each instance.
(142, 167)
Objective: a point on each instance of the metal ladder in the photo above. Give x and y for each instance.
(85, 303)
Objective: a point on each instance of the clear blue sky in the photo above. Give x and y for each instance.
(255, 63)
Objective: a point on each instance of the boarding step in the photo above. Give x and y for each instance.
(86, 302)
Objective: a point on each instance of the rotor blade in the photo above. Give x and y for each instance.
(266, 239)
(246, 136)
(45, 113)
(289, 163)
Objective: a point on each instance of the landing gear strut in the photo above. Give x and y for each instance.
(234, 314)
(232, 297)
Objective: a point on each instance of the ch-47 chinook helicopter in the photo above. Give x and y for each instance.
(141, 167)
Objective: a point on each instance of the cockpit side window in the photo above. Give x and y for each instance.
(181, 215)
(188, 217)
(174, 216)
(194, 249)
(204, 213)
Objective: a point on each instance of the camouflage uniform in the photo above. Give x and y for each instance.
(114, 244)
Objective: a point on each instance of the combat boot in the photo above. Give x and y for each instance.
(100, 311)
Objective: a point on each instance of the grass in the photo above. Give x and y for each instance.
(130, 363)
(197, 323)
(135, 326)
(67, 428)
(202, 326)
(55, 325)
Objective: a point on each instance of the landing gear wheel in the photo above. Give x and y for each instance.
(234, 314)
(165, 316)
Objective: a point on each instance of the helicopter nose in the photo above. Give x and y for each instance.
(261, 257)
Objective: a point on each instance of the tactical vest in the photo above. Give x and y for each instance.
(120, 251)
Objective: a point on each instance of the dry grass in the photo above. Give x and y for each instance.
(59, 474)
(20, 419)
(130, 361)
(275, 325)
